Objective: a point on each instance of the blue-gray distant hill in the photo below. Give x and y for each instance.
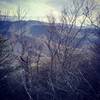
(34, 28)
(28, 27)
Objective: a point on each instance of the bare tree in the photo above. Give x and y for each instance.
(30, 55)
(63, 42)
(24, 58)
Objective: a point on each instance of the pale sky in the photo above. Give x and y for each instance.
(37, 9)
(34, 8)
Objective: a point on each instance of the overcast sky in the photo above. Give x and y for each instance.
(36, 9)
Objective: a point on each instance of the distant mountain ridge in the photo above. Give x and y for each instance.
(33, 28)
(30, 27)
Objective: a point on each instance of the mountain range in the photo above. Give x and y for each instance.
(36, 29)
